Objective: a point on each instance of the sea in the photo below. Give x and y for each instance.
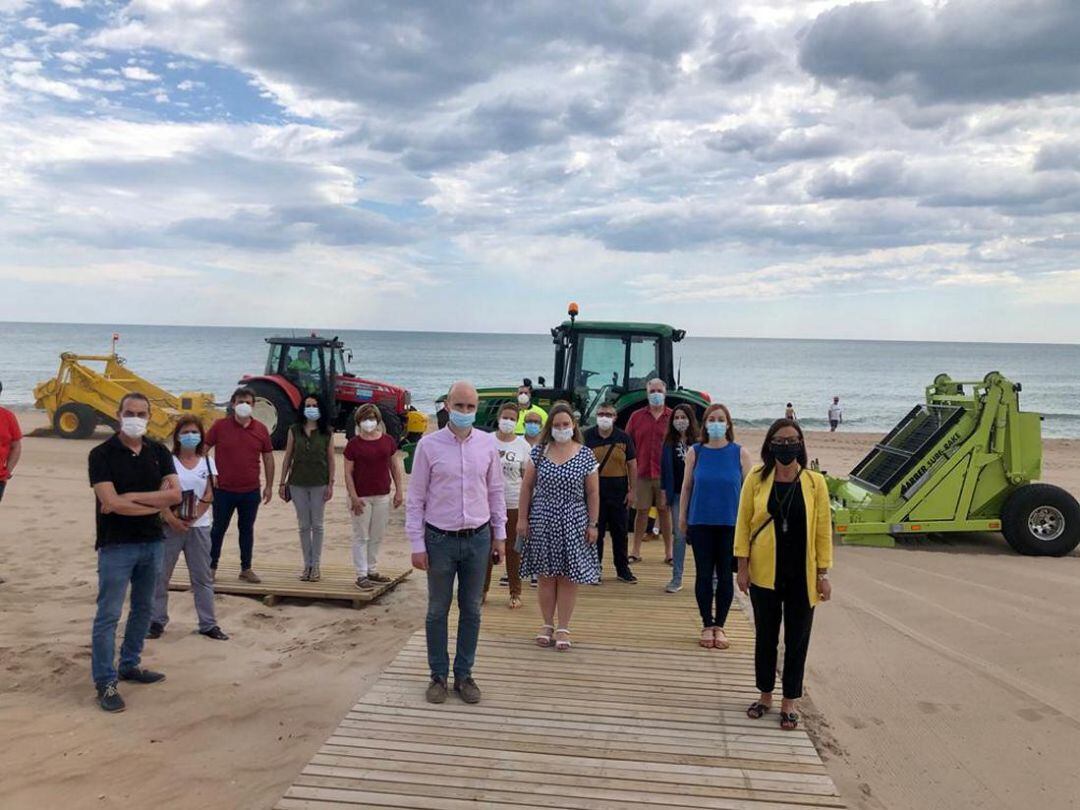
(877, 381)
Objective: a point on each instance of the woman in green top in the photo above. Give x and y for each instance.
(307, 478)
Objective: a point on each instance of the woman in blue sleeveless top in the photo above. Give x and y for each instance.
(708, 507)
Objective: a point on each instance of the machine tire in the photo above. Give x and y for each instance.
(74, 420)
(269, 397)
(1021, 510)
(392, 421)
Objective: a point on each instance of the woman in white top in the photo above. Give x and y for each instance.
(187, 529)
(514, 453)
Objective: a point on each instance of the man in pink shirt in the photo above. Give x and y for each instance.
(455, 519)
(647, 428)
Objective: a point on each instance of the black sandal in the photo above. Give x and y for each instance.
(789, 721)
(756, 710)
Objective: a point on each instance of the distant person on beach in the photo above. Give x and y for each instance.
(614, 451)
(708, 506)
(783, 543)
(307, 479)
(239, 441)
(682, 432)
(187, 529)
(133, 480)
(836, 415)
(372, 463)
(789, 412)
(514, 452)
(647, 428)
(526, 406)
(560, 506)
(455, 519)
(10, 447)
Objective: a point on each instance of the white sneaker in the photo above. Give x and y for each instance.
(673, 587)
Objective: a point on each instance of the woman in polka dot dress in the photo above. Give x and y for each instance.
(559, 506)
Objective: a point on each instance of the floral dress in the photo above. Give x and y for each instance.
(558, 519)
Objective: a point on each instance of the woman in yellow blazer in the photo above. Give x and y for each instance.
(783, 544)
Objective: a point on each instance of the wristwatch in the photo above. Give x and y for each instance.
(594, 525)
(824, 575)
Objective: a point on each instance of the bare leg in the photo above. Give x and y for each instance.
(641, 520)
(665, 530)
(546, 598)
(566, 596)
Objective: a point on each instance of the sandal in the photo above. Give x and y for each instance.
(515, 602)
(707, 640)
(306, 576)
(720, 639)
(789, 721)
(545, 639)
(756, 709)
(562, 644)
(633, 558)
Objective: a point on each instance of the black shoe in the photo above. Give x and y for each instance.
(467, 688)
(155, 630)
(215, 633)
(109, 698)
(137, 675)
(629, 579)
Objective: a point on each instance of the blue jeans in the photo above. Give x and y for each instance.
(465, 558)
(678, 551)
(246, 506)
(139, 564)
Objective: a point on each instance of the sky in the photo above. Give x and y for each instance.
(769, 168)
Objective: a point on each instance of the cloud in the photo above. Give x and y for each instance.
(139, 74)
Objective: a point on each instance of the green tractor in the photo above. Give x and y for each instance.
(963, 462)
(596, 362)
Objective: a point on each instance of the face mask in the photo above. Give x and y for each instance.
(716, 430)
(523, 400)
(311, 413)
(507, 425)
(785, 453)
(656, 398)
(681, 425)
(562, 434)
(462, 420)
(368, 425)
(133, 427)
(532, 428)
(243, 410)
(605, 422)
(190, 440)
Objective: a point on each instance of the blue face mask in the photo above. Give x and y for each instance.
(190, 440)
(716, 430)
(532, 428)
(311, 413)
(656, 398)
(462, 420)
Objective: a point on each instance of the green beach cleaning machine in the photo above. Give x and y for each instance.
(966, 461)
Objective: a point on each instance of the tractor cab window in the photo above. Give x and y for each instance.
(644, 362)
(601, 367)
(304, 366)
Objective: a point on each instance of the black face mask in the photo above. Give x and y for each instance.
(785, 453)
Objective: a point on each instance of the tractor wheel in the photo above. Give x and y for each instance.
(75, 421)
(1041, 520)
(275, 410)
(393, 423)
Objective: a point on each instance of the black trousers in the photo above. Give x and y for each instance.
(3, 486)
(713, 548)
(246, 507)
(792, 606)
(613, 520)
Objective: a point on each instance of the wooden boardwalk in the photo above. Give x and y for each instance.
(279, 580)
(636, 715)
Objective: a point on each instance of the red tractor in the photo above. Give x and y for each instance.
(296, 367)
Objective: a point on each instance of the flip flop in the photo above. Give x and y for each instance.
(720, 639)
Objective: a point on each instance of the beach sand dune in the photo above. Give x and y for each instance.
(942, 675)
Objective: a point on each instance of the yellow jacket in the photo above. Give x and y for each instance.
(754, 511)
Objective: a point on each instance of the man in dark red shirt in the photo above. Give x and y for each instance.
(647, 428)
(239, 443)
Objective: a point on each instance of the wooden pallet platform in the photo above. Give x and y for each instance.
(338, 583)
(636, 715)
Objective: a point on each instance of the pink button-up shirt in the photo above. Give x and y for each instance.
(455, 485)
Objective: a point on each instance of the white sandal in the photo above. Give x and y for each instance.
(563, 644)
(545, 639)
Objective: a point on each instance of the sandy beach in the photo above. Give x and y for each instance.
(942, 675)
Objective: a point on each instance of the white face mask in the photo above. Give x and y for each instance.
(368, 425)
(243, 410)
(523, 399)
(681, 424)
(134, 427)
(605, 422)
(562, 435)
(507, 425)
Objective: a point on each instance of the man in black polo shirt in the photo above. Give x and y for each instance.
(614, 451)
(133, 480)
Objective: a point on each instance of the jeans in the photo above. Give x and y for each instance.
(713, 551)
(678, 550)
(368, 530)
(118, 565)
(792, 606)
(246, 505)
(195, 543)
(466, 559)
(310, 504)
(612, 519)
